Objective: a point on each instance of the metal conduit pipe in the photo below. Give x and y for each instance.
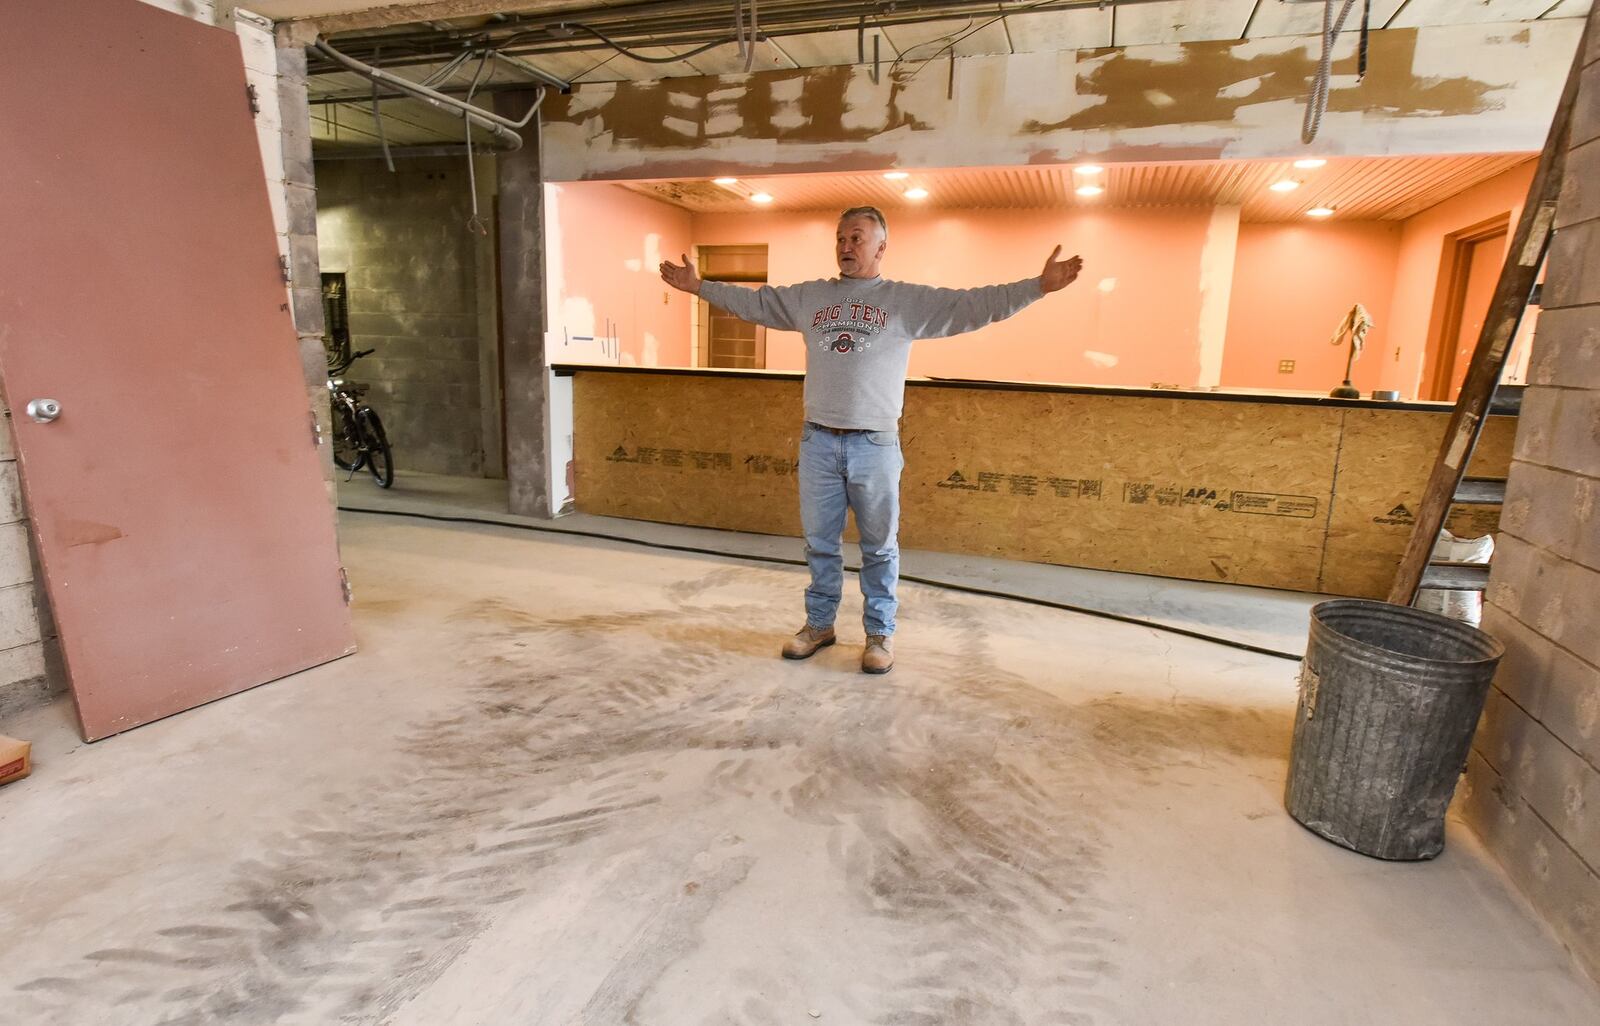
(528, 69)
(431, 150)
(502, 128)
(398, 152)
(490, 87)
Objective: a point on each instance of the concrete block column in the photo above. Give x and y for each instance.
(522, 310)
(305, 272)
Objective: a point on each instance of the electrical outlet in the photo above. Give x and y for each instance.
(1285, 366)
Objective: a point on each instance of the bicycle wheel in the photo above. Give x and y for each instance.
(348, 453)
(379, 459)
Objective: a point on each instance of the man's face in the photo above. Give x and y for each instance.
(859, 247)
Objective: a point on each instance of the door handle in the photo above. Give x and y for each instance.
(43, 411)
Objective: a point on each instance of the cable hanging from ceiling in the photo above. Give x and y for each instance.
(1317, 102)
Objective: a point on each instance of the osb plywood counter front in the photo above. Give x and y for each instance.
(1305, 494)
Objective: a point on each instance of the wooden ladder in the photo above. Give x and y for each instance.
(1448, 482)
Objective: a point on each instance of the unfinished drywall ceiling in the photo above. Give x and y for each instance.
(670, 41)
(823, 32)
(1458, 89)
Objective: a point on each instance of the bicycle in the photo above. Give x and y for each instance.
(358, 436)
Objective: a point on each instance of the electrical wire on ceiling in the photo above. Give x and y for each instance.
(746, 34)
(1317, 102)
(959, 36)
(475, 224)
(377, 121)
(635, 55)
(631, 28)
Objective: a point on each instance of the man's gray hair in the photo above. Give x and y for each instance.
(870, 213)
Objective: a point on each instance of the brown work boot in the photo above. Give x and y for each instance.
(805, 643)
(878, 656)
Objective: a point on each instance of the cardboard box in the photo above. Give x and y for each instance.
(15, 759)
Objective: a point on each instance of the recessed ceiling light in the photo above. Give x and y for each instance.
(1287, 185)
(1089, 190)
(915, 194)
(895, 176)
(1320, 212)
(1309, 163)
(724, 181)
(1088, 169)
(761, 197)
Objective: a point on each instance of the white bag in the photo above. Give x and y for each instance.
(1466, 606)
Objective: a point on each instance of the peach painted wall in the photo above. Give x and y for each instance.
(1292, 286)
(604, 247)
(1416, 278)
(1132, 319)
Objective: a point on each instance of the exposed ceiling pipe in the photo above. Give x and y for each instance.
(396, 152)
(539, 74)
(426, 150)
(491, 87)
(502, 128)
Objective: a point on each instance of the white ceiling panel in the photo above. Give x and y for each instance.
(1460, 12)
(977, 36)
(1278, 18)
(725, 60)
(1181, 21)
(1060, 30)
(821, 49)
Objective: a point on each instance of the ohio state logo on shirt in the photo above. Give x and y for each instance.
(849, 327)
(846, 342)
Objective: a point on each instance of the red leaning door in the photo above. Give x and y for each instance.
(185, 532)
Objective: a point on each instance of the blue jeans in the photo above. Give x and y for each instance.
(859, 470)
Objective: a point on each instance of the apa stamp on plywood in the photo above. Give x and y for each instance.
(1146, 493)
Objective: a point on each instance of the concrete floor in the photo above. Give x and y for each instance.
(1265, 618)
(567, 781)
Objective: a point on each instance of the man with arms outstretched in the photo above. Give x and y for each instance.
(858, 330)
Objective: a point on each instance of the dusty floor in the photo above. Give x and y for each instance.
(1263, 618)
(566, 781)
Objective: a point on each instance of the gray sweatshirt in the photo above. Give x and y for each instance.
(859, 331)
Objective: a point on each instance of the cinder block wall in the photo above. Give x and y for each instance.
(413, 277)
(1534, 776)
(27, 666)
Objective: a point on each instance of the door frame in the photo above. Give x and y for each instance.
(1449, 302)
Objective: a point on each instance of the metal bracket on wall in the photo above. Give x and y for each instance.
(316, 432)
(255, 101)
(344, 585)
(283, 269)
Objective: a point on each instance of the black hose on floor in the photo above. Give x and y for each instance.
(968, 589)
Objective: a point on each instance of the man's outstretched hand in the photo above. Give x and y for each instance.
(1058, 273)
(683, 277)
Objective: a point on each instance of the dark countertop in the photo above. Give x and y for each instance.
(1503, 405)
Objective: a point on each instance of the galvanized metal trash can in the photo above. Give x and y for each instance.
(1389, 699)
